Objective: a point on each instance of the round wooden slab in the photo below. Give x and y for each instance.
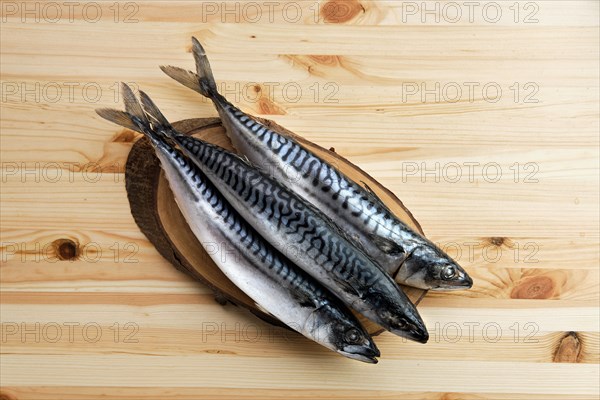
(156, 213)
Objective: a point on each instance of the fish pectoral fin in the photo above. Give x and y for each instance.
(348, 287)
(388, 246)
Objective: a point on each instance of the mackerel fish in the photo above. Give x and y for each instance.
(409, 257)
(259, 270)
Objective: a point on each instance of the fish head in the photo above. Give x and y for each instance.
(341, 332)
(401, 319)
(428, 267)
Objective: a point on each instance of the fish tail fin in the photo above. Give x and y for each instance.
(133, 117)
(118, 117)
(133, 106)
(207, 80)
(203, 80)
(159, 122)
(187, 78)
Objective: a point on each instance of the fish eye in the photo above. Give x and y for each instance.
(449, 272)
(353, 336)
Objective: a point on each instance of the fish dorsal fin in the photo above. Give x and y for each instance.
(388, 246)
(375, 197)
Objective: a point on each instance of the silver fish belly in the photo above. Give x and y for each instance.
(405, 254)
(249, 261)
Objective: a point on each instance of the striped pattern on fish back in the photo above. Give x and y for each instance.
(314, 236)
(340, 193)
(246, 239)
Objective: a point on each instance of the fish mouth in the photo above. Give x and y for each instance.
(365, 353)
(463, 282)
(414, 333)
(421, 336)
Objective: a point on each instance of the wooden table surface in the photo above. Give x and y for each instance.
(482, 117)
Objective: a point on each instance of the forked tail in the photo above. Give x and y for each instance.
(156, 117)
(203, 80)
(147, 120)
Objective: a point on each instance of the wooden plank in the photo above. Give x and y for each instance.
(375, 81)
(158, 323)
(107, 263)
(309, 12)
(321, 373)
(97, 196)
(183, 393)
